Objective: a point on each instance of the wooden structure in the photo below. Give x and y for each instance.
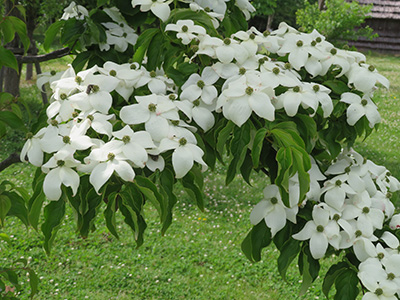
(385, 21)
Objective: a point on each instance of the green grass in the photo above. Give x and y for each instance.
(200, 256)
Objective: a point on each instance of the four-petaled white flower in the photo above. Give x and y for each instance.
(158, 7)
(186, 30)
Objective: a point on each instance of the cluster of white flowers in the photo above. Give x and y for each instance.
(81, 109)
(216, 9)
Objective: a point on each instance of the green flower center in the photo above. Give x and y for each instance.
(378, 292)
(333, 51)
(296, 89)
(389, 195)
(126, 139)
(66, 139)
(196, 102)
(242, 71)
(276, 70)
(175, 122)
(227, 41)
(313, 43)
(63, 96)
(364, 102)
(152, 107)
(111, 156)
(182, 142)
(78, 79)
(380, 255)
(320, 228)
(391, 276)
(172, 97)
(249, 90)
(133, 67)
(347, 169)
(29, 135)
(274, 200)
(90, 117)
(358, 233)
(201, 84)
(371, 68)
(299, 43)
(266, 33)
(336, 217)
(153, 74)
(54, 123)
(52, 72)
(113, 73)
(207, 9)
(261, 61)
(124, 34)
(318, 40)
(365, 210)
(316, 88)
(288, 66)
(185, 28)
(252, 36)
(60, 163)
(338, 183)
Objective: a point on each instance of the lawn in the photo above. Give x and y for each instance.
(200, 256)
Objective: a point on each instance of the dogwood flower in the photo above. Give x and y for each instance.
(74, 11)
(32, 148)
(186, 30)
(160, 8)
(360, 107)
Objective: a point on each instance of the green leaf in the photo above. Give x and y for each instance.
(33, 282)
(337, 86)
(8, 30)
(143, 43)
(346, 285)
(150, 191)
(109, 214)
(102, 2)
(20, 29)
(12, 120)
(284, 157)
(54, 213)
(18, 207)
(5, 205)
(330, 276)
(167, 181)
(223, 136)
(289, 251)
(258, 238)
(72, 30)
(155, 51)
(51, 33)
(35, 209)
(89, 209)
(189, 183)
(309, 268)
(247, 167)
(258, 145)
(8, 59)
(5, 238)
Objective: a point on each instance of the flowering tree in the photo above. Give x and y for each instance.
(170, 87)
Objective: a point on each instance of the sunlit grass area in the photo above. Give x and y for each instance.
(200, 255)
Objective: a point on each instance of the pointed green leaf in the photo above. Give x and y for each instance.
(289, 251)
(54, 213)
(258, 238)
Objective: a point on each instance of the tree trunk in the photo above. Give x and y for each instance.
(31, 17)
(321, 4)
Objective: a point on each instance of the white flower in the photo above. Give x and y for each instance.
(186, 30)
(75, 11)
(106, 160)
(158, 7)
(395, 222)
(61, 172)
(33, 149)
(365, 77)
(272, 210)
(321, 231)
(360, 107)
(152, 110)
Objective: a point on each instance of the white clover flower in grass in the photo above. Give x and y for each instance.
(201, 86)
(272, 210)
(185, 153)
(360, 107)
(186, 30)
(160, 8)
(74, 11)
(135, 144)
(59, 171)
(104, 161)
(365, 77)
(245, 95)
(321, 231)
(154, 111)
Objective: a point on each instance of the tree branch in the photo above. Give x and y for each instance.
(44, 57)
(12, 159)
